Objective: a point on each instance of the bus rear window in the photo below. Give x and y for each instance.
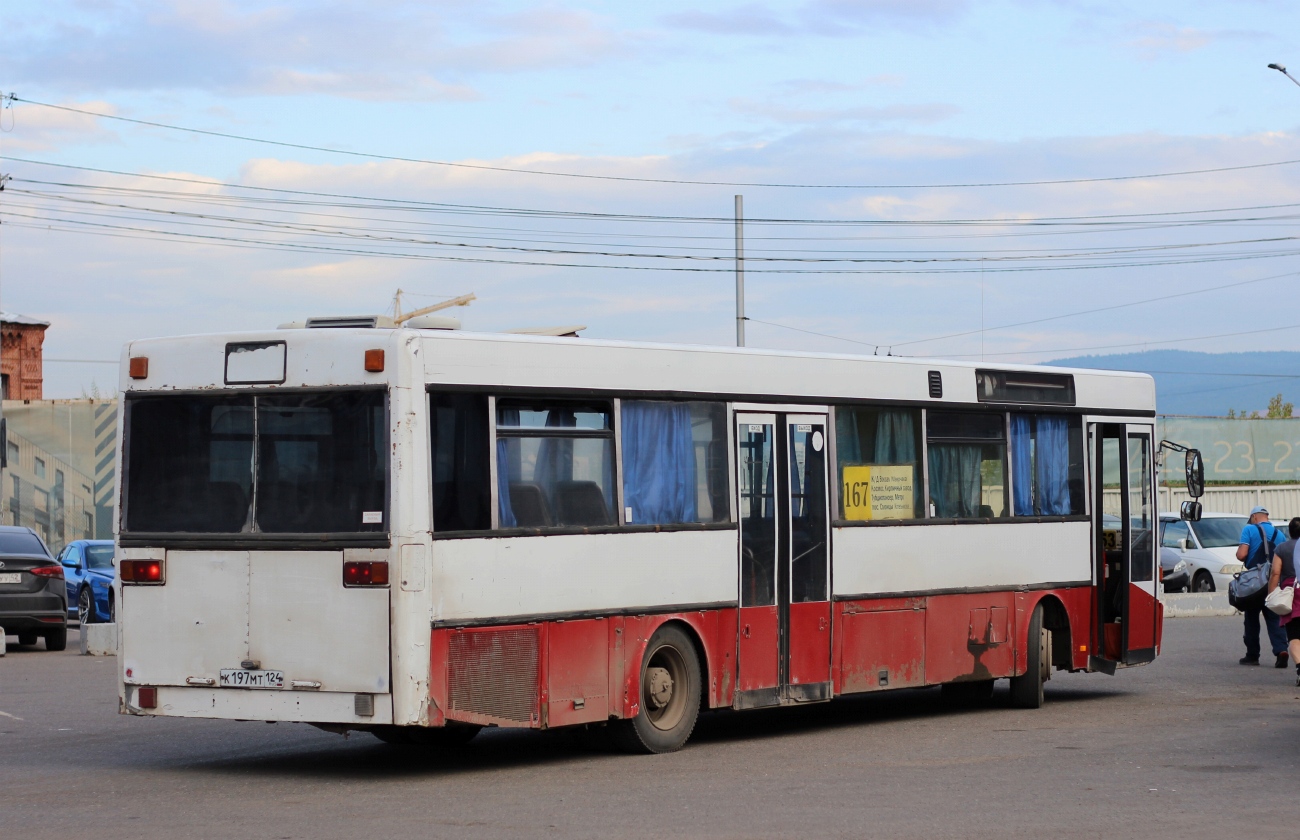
(319, 467)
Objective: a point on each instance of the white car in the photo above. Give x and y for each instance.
(1208, 547)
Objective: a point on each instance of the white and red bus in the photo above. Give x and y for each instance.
(419, 533)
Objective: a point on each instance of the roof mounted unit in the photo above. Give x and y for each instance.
(561, 332)
(432, 322)
(350, 322)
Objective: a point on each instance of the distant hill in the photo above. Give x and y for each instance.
(1208, 384)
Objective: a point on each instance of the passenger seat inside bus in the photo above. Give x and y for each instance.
(528, 503)
(580, 503)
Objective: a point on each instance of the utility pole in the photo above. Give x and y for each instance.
(6, 104)
(740, 271)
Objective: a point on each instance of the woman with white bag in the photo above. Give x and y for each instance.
(1281, 592)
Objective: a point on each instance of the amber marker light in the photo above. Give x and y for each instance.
(139, 367)
(374, 361)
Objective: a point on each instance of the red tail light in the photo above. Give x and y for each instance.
(365, 573)
(141, 571)
(47, 571)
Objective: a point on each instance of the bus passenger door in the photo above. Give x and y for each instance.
(758, 648)
(807, 601)
(1124, 517)
(784, 649)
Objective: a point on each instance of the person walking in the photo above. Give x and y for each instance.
(1283, 574)
(1258, 542)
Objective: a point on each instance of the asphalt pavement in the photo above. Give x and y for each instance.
(1193, 745)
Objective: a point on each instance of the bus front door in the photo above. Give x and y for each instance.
(784, 645)
(1128, 613)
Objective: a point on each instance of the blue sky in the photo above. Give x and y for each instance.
(824, 91)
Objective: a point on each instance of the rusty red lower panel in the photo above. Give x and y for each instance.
(881, 648)
(759, 648)
(810, 643)
(906, 642)
(1142, 606)
(560, 673)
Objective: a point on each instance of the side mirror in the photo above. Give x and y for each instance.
(1190, 512)
(1182, 543)
(1195, 477)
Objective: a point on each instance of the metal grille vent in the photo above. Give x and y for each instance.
(494, 673)
(936, 385)
(349, 322)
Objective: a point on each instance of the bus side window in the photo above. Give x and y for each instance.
(555, 463)
(968, 453)
(674, 462)
(1046, 464)
(879, 463)
(462, 498)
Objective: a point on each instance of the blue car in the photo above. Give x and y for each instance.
(89, 570)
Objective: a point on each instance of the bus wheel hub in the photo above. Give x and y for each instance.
(660, 686)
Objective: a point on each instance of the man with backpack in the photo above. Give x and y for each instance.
(1259, 539)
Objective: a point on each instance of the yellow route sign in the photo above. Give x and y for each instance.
(879, 491)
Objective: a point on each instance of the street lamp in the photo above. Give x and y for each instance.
(1281, 68)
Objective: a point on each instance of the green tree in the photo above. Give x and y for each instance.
(1278, 410)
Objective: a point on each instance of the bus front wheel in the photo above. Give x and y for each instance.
(670, 696)
(1027, 689)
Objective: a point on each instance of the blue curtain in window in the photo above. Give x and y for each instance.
(506, 512)
(895, 438)
(659, 482)
(507, 468)
(555, 455)
(1022, 464)
(1053, 465)
(848, 447)
(955, 480)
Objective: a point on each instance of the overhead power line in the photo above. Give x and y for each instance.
(402, 203)
(633, 179)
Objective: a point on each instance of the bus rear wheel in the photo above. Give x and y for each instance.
(451, 735)
(670, 696)
(1027, 689)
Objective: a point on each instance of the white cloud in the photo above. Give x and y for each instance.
(364, 50)
(820, 17)
(33, 129)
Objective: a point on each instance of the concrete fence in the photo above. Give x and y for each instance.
(1282, 500)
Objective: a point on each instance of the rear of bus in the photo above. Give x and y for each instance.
(258, 552)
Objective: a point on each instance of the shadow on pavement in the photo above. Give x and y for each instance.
(363, 756)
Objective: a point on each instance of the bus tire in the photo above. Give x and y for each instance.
(1027, 689)
(670, 696)
(451, 735)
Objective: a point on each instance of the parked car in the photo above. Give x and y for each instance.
(33, 601)
(1175, 572)
(1208, 547)
(88, 570)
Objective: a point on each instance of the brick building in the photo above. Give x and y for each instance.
(21, 369)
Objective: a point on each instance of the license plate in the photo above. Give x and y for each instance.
(11, 577)
(240, 678)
